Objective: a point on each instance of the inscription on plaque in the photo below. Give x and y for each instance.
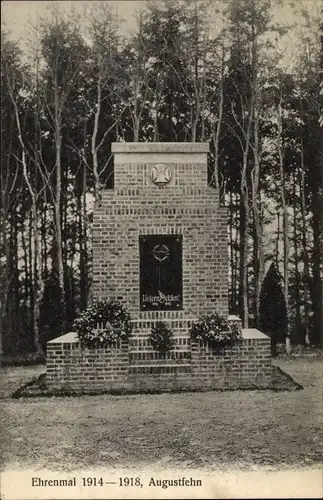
(161, 272)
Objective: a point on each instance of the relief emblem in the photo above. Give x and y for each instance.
(161, 174)
(161, 252)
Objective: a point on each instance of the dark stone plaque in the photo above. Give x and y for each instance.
(161, 273)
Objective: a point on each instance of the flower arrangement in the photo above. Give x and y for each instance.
(216, 331)
(103, 323)
(161, 337)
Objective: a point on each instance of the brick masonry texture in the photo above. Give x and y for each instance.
(194, 367)
(135, 207)
(186, 206)
(73, 368)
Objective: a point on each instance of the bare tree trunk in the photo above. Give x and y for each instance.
(136, 112)
(85, 235)
(244, 137)
(317, 255)
(36, 267)
(5, 283)
(194, 126)
(277, 241)
(297, 277)
(285, 221)
(203, 105)
(82, 218)
(30, 282)
(216, 136)
(304, 244)
(236, 252)
(38, 280)
(156, 131)
(244, 242)
(231, 253)
(216, 139)
(259, 252)
(26, 268)
(94, 139)
(57, 200)
(7, 185)
(44, 243)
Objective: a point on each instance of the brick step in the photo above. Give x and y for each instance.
(145, 334)
(144, 342)
(153, 357)
(155, 362)
(148, 349)
(176, 321)
(158, 369)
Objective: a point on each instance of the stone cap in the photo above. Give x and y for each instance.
(67, 338)
(253, 333)
(71, 337)
(233, 317)
(160, 147)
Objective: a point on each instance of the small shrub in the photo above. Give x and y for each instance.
(272, 311)
(52, 310)
(103, 323)
(216, 331)
(161, 337)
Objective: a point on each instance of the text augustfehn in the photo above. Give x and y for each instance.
(181, 481)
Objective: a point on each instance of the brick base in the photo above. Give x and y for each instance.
(135, 366)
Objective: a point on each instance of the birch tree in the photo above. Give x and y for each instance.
(10, 178)
(61, 50)
(250, 23)
(16, 88)
(282, 188)
(103, 98)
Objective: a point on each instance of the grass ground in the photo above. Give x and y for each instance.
(13, 378)
(222, 430)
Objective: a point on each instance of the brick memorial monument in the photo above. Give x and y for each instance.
(160, 247)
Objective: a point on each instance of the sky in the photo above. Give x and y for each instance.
(16, 13)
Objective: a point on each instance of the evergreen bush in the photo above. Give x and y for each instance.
(161, 337)
(51, 314)
(273, 318)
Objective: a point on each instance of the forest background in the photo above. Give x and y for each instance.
(234, 73)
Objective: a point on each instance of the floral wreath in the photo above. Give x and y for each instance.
(104, 323)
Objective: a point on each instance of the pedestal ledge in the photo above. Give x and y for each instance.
(160, 147)
(233, 317)
(136, 367)
(253, 333)
(71, 337)
(67, 338)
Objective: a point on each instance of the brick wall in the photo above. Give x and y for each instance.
(246, 364)
(80, 369)
(135, 366)
(187, 207)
